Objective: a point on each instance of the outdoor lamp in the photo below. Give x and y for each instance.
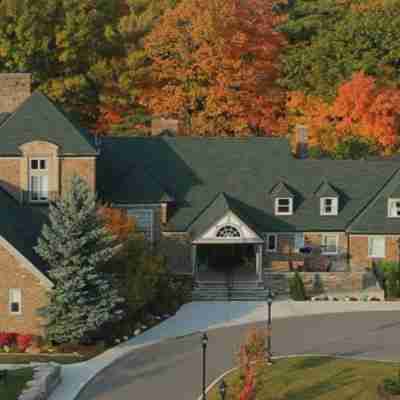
(204, 342)
(269, 327)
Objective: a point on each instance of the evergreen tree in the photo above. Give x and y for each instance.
(74, 244)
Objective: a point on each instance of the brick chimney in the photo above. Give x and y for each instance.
(160, 125)
(301, 140)
(14, 90)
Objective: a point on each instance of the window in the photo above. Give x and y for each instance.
(329, 206)
(38, 180)
(15, 301)
(394, 208)
(298, 241)
(376, 246)
(228, 232)
(283, 206)
(144, 221)
(329, 243)
(271, 242)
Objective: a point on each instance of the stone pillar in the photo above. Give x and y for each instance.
(194, 261)
(259, 262)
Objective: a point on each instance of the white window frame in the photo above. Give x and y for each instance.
(370, 239)
(334, 205)
(290, 205)
(39, 172)
(298, 237)
(391, 205)
(146, 210)
(10, 301)
(323, 245)
(267, 236)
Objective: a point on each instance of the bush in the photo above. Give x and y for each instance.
(391, 274)
(296, 287)
(23, 342)
(392, 385)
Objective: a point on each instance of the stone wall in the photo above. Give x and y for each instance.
(322, 282)
(14, 90)
(16, 276)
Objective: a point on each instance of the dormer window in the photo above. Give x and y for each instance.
(38, 180)
(283, 206)
(329, 205)
(394, 208)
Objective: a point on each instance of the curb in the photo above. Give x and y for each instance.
(217, 380)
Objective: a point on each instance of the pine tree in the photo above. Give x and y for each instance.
(74, 244)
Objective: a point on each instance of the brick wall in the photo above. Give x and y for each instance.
(14, 90)
(33, 296)
(359, 259)
(84, 167)
(10, 176)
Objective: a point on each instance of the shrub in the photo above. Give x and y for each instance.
(296, 287)
(391, 274)
(7, 339)
(392, 385)
(23, 342)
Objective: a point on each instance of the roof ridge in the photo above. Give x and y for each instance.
(372, 201)
(204, 209)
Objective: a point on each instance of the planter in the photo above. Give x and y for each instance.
(383, 395)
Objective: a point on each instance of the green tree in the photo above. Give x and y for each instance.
(328, 49)
(64, 44)
(354, 147)
(74, 244)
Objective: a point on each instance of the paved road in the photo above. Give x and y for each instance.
(172, 370)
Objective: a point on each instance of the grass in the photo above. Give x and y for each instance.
(314, 378)
(15, 383)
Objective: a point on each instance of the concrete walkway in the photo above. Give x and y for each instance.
(195, 317)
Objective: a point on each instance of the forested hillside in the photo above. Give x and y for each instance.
(222, 67)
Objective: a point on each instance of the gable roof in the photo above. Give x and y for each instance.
(282, 190)
(20, 226)
(214, 211)
(374, 217)
(196, 170)
(326, 190)
(39, 119)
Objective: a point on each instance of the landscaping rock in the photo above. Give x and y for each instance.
(137, 332)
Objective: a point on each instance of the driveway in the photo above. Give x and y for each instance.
(172, 369)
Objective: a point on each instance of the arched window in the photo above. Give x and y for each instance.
(228, 231)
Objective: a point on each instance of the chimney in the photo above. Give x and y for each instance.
(160, 125)
(301, 141)
(14, 90)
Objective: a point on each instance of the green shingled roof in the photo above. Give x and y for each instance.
(282, 190)
(326, 190)
(21, 226)
(39, 119)
(194, 171)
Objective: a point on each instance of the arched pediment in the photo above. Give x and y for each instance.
(38, 147)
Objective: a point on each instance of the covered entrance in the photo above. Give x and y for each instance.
(229, 250)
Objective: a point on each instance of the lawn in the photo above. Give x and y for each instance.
(15, 383)
(315, 378)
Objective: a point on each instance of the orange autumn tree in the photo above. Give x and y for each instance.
(214, 65)
(117, 222)
(362, 108)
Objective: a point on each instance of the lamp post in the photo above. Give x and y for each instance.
(204, 342)
(222, 389)
(269, 328)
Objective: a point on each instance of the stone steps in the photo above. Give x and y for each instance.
(225, 294)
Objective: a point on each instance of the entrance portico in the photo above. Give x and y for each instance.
(228, 248)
